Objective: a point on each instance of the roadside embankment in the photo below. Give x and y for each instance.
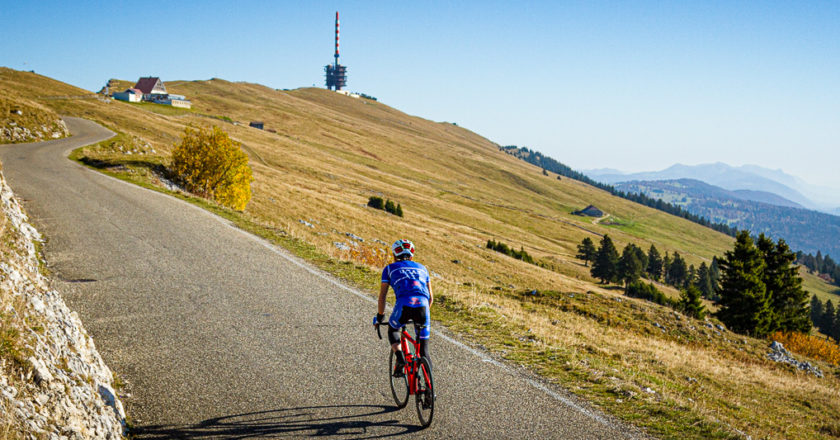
(53, 382)
(22, 120)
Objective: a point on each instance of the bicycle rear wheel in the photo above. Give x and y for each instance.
(425, 397)
(399, 385)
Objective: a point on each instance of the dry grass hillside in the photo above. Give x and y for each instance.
(323, 155)
(24, 120)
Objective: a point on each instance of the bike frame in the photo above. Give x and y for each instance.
(410, 367)
(411, 360)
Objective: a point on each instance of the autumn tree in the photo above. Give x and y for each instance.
(212, 165)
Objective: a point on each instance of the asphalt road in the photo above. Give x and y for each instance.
(220, 334)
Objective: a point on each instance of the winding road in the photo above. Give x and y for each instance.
(219, 334)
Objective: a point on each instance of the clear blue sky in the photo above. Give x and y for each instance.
(628, 85)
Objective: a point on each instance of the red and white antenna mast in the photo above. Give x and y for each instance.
(336, 73)
(336, 38)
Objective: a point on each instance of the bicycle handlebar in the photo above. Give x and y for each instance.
(378, 333)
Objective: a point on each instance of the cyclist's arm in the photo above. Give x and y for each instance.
(431, 295)
(383, 291)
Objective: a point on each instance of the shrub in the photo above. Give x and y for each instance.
(807, 345)
(647, 291)
(212, 165)
(376, 202)
(370, 256)
(502, 248)
(390, 207)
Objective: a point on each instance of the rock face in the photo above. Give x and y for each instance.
(58, 385)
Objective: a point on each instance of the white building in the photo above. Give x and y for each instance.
(130, 95)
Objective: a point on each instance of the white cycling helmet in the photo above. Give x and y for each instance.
(403, 247)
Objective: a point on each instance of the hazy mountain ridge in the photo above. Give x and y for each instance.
(804, 229)
(746, 177)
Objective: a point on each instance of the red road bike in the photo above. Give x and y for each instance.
(416, 381)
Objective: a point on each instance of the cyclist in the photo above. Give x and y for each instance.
(413, 289)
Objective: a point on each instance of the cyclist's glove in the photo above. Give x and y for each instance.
(378, 318)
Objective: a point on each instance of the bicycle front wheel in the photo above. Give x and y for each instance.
(399, 385)
(425, 397)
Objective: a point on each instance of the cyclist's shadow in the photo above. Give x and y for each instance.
(328, 420)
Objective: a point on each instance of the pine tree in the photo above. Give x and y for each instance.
(817, 310)
(587, 251)
(691, 304)
(827, 319)
(389, 206)
(704, 282)
(654, 266)
(605, 266)
(666, 266)
(690, 276)
(677, 271)
(745, 305)
(399, 210)
(835, 333)
(714, 272)
(788, 300)
(630, 267)
(642, 256)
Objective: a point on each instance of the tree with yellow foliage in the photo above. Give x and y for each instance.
(212, 165)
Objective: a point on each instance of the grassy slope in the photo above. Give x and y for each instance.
(331, 152)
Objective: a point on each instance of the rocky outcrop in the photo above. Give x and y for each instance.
(778, 353)
(11, 132)
(53, 382)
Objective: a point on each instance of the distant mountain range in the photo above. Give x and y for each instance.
(750, 181)
(758, 211)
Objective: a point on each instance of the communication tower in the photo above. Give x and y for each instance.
(336, 73)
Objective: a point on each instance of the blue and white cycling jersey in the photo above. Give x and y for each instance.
(410, 282)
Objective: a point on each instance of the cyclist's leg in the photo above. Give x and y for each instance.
(395, 323)
(423, 331)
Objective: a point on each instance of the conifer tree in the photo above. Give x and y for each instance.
(788, 300)
(399, 210)
(630, 267)
(586, 251)
(835, 333)
(827, 319)
(642, 256)
(654, 266)
(690, 276)
(691, 304)
(389, 206)
(745, 305)
(666, 266)
(714, 272)
(704, 282)
(817, 310)
(677, 271)
(605, 266)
